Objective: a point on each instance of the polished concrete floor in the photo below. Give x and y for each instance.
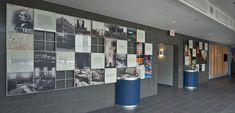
(215, 96)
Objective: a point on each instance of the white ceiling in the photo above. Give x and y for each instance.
(226, 6)
(158, 14)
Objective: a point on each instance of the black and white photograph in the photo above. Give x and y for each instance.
(126, 73)
(132, 47)
(82, 26)
(88, 77)
(140, 70)
(121, 32)
(44, 71)
(148, 49)
(82, 61)
(97, 29)
(19, 19)
(19, 61)
(44, 20)
(65, 42)
(20, 41)
(20, 83)
(110, 53)
(110, 30)
(121, 60)
(65, 24)
(83, 43)
(131, 34)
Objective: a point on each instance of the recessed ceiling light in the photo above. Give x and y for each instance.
(229, 40)
(173, 21)
(210, 34)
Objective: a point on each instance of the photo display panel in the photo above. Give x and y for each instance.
(195, 55)
(50, 51)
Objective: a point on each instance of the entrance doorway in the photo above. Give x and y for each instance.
(165, 64)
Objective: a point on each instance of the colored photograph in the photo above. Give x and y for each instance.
(148, 66)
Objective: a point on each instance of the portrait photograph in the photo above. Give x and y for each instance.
(19, 19)
(20, 83)
(140, 48)
(110, 53)
(82, 26)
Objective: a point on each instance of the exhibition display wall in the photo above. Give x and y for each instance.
(195, 55)
(50, 51)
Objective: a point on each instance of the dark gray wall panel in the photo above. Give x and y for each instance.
(80, 100)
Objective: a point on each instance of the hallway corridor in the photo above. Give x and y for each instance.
(215, 96)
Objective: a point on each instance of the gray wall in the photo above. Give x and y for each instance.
(165, 65)
(80, 100)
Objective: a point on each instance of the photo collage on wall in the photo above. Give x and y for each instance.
(49, 51)
(195, 55)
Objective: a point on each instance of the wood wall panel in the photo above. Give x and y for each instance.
(218, 66)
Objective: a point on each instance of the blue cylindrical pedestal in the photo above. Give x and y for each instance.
(128, 92)
(191, 79)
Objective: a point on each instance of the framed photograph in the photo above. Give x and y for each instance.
(82, 26)
(44, 20)
(140, 36)
(200, 45)
(140, 59)
(110, 53)
(65, 24)
(88, 77)
(19, 19)
(121, 61)
(110, 75)
(19, 61)
(190, 44)
(206, 46)
(20, 83)
(97, 60)
(83, 43)
(194, 53)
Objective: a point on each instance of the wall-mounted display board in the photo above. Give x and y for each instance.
(195, 55)
(49, 51)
